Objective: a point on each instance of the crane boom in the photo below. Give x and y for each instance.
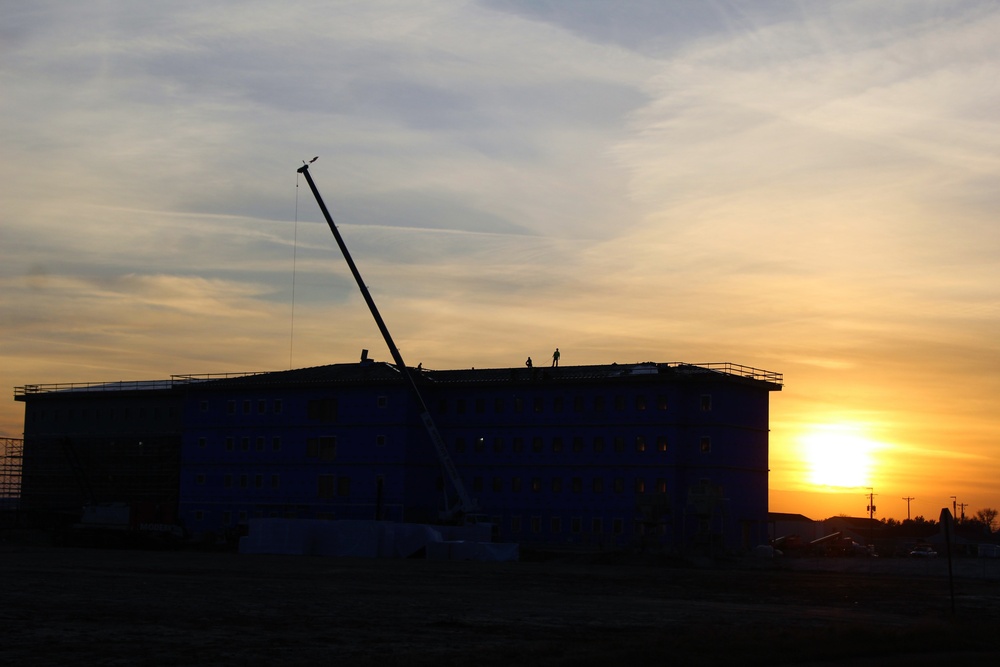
(466, 505)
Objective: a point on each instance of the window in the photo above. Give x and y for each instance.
(261, 406)
(460, 406)
(322, 409)
(557, 404)
(619, 443)
(577, 444)
(380, 441)
(480, 405)
(518, 445)
(661, 443)
(705, 444)
(202, 443)
(480, 444)
(515, 484)
(617, 526)
(518, 404)
(706, 402)
(199, 515)
(597, 526)
(576, 525)
(326, 486)
(276, 444)
(277, 406)
(578, 404)
(260, 443)
(203, 406)
(477, 484)
(598, 485)
(199, 478)
(577, 485)
(536, 484)
(382, 401)
(640, 402)
(599, 404)
(515, 524)
(661, 402)
(324, 447)
(619, 485)
(497, 484)
(556, 525)
(227, 518)
(258, 481)
(344, 486)
(230, 407)
(246, 406)
(443, 405)
(245, 444)
(243, 481)
(328, 448)
(557, 444)
(536, 524)
(661, 485)
(557, 484)
(227, 481)
(537, 444)
(538, 404)
(640, 485)
(459, 445)
(497, 405)
(498, 444)
(619, 403)
(598, 444)
(640, 443)
(275, 481)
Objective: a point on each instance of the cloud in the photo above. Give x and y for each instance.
(797, 187)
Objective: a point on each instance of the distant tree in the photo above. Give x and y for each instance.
(988, 517)
(921, 521)
(891, 523)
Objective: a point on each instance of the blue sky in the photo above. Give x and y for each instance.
(804, 187)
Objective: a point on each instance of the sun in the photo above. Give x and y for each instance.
(838, 455)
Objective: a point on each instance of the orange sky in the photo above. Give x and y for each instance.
(805, 189)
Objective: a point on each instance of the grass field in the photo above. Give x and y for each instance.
(84, 606)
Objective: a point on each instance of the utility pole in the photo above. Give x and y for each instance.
(954, 508)
(962, 506)
(908, 499)
(871, 518)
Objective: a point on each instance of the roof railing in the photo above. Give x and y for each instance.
(726, 368)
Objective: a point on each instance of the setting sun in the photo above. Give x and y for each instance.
(838, 455)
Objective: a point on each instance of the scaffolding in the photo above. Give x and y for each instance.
(11, 464)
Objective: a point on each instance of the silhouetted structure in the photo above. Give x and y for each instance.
(668, 454)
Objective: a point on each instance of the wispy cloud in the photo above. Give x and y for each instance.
(804, 187)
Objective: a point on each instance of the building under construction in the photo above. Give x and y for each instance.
(667, 454)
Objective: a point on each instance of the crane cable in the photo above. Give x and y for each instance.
(295, 249)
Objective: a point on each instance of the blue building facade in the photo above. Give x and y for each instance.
(666, 455)
(671, 455)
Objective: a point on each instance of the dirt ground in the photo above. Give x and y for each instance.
(92, 607)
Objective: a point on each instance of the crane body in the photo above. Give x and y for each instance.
(465, 507)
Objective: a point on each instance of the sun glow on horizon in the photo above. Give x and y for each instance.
(839, 456)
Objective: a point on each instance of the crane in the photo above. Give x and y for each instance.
(465, 508)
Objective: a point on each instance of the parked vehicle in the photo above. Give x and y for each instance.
(923, 551)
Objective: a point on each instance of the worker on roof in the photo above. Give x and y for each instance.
(555, 357)
(528, 362)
